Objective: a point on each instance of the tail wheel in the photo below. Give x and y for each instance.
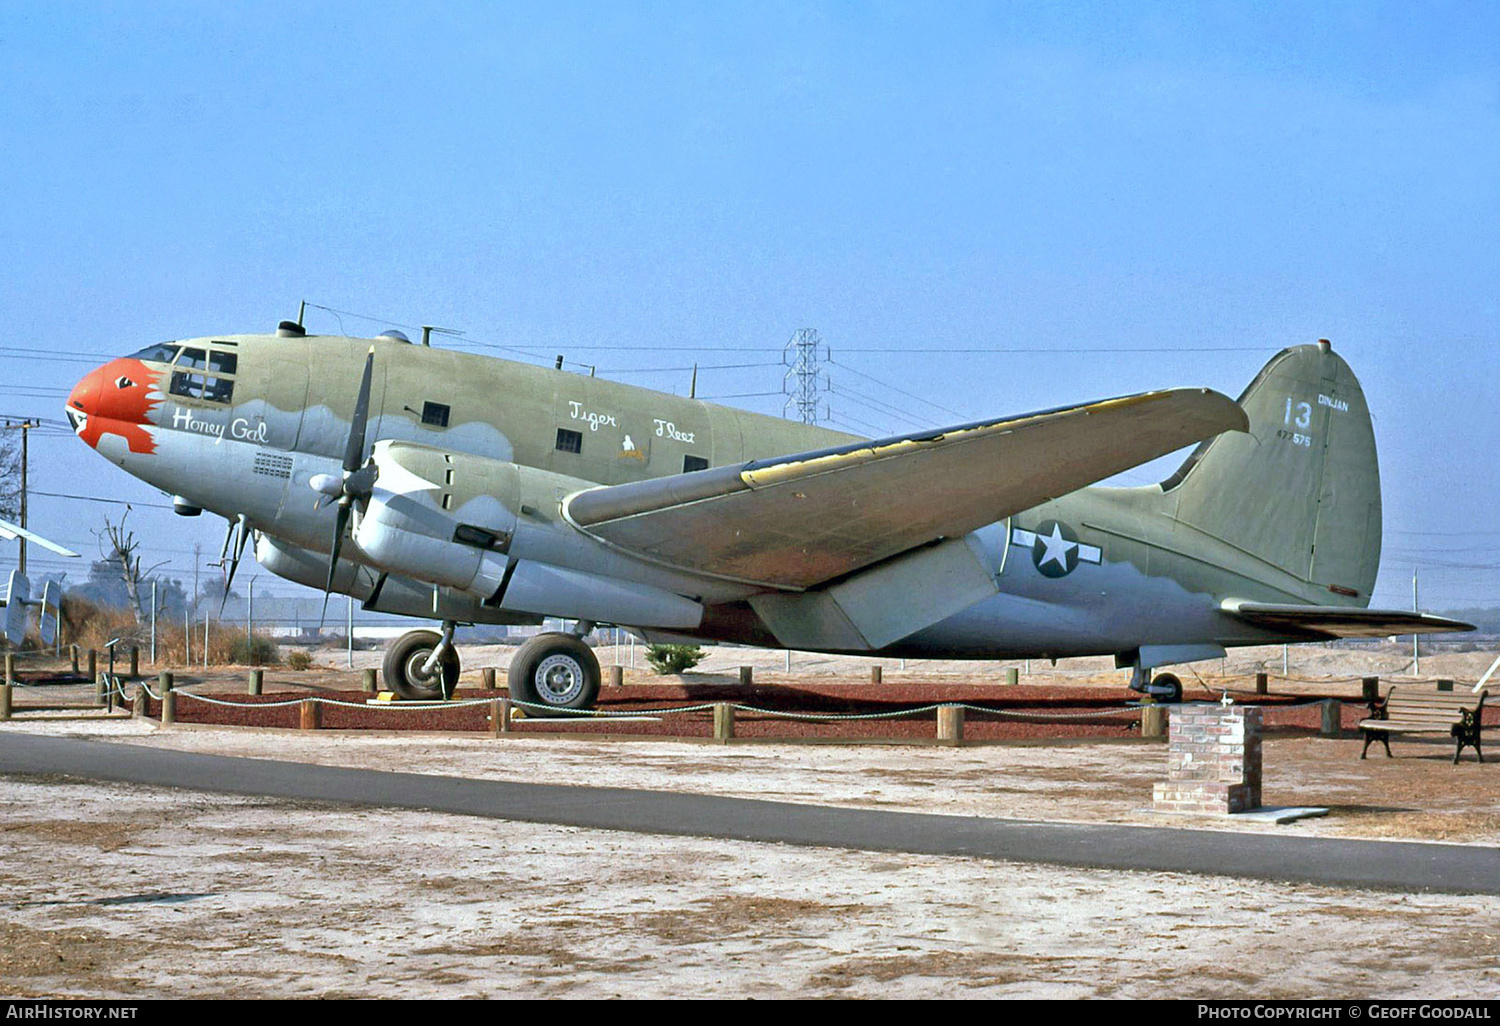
(554, 671)
(404, 660)
(1167, 687)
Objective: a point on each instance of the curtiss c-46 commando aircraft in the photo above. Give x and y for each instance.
(468, 489)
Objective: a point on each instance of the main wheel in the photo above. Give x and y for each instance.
(554, 671)
(1171, 684)
(403, 667)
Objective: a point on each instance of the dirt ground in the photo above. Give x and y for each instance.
(134, 892)
(127, 891)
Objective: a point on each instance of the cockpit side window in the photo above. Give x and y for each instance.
(162, 353)
(212, 387)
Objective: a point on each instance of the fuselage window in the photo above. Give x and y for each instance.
(435, 414)
(569, 441)
(222, 363)
(191, 358)
(692, 463)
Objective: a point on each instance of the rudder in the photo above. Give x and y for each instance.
(1301, 489)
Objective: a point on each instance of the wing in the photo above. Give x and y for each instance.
(11, 532)
(1323, 622)
(799, 520)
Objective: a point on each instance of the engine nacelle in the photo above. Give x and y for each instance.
(404, 536)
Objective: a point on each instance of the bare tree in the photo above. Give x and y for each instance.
(121, 551)
(10, 474)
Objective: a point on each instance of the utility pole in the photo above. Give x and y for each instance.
(25, 427)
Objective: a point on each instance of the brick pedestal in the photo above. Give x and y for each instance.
(1213, 761)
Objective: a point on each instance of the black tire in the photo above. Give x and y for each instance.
(1171, 683)
(403, 662)
(554, 671)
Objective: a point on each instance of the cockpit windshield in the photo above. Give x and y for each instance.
(162, 352)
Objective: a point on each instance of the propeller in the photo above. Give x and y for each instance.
(355, 485)
(239, 531)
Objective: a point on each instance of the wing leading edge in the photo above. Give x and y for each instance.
(1323, 622)
(797, 521)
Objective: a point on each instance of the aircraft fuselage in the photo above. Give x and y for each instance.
(239, 425)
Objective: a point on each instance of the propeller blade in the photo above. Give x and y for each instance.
(341, 523)
(354, 452)
(242, 526)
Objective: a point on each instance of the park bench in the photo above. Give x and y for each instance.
(1416, 710)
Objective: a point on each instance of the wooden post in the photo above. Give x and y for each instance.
(368, 682)
(93, 665)
(1012, 675)
(747, 675)
(168, 708)
(950, 724)
(135, 661)
(10, 668)
(1370, 687)
(1333, 712)
(499, 716)
(311, 711)
(487, 678)
(101, 686)
(1154, 720)
(257, 681)
(617, 676)
(1262, 682)
(138, 706)
(5, 700)
(73, 651)
(874, 675)
(164, 681)
(723, 722)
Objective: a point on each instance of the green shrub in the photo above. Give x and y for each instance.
(257, 650)
(674, 658)
(298, 659)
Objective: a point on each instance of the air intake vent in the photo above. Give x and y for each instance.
(392, 333)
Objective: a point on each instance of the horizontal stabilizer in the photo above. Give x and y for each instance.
(1342, 621)
(11, 532)
(797, 521)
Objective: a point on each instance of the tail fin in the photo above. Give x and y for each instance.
(1301, 490)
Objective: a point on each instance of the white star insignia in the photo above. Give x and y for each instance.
(1057, 548)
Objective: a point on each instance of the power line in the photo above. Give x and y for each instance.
(893, 388)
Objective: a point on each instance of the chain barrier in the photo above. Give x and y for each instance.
(837, 717)
(116, 687)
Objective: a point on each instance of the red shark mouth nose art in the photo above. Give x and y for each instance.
(116, 399)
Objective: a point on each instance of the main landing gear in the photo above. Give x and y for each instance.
(1164, 687)
(423, 665)
(554, 671)
(550, 671)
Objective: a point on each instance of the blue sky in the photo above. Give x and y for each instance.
(644, 185)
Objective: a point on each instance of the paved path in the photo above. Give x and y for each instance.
(1392, 865)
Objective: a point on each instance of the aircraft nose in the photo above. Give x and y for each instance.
(83, 401)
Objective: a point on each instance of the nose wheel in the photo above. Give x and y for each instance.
(410, 671)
